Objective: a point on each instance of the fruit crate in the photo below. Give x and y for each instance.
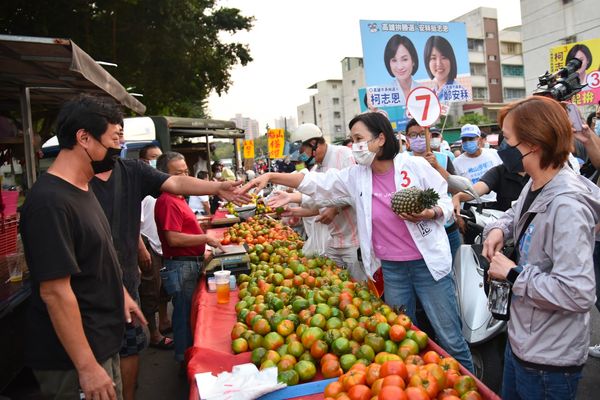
(8, 234)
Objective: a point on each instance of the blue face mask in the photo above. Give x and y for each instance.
(470, 147)
(597, 128)
(306, 159)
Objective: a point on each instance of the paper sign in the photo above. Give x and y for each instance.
(424, 106)
(275, 141)
(248, 148)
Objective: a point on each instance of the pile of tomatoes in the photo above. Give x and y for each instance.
(258, 230)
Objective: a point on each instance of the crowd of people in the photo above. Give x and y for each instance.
(110, 241)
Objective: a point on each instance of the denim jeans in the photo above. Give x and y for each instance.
(520, 382)
(405, 279)
(179, 279)
(454, 239)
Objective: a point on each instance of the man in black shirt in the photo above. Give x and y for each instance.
(120, 192)
(76, 319)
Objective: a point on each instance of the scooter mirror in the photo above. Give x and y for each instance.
(461, 184)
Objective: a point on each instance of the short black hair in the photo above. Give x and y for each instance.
(584, 49)
(589, 118)
(144, 150)
(377, 124)
(202, 175)
(162, 162)
(444, 47)
(410, 124)
(392, 47)
(90, 113)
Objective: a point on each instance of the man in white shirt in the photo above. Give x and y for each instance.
(476, 160)
(200, 204)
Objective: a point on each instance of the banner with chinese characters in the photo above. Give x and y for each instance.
(275, 140)
(588, 52)
(248, 148)
(399, 56)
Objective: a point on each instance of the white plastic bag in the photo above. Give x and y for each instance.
(244, 382)
(318, 237)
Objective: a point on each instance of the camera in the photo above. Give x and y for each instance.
(562, 84)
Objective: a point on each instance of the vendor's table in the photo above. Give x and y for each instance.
(211, 327)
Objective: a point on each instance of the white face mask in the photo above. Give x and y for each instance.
(152, 163)
(362, 154)
(218, 175)
(436, 143)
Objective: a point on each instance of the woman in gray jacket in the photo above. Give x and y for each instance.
(553, 285)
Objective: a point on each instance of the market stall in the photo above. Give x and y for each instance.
(212, 329)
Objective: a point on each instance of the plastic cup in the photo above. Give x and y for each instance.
(222, 281)
(15, 272)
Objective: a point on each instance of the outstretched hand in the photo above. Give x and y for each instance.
(428, 213)
(279, 199)
(233, 192)
(257, 183)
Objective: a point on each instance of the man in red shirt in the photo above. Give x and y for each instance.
(183, 243)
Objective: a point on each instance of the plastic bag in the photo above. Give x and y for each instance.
(244, 382)
(318, 237)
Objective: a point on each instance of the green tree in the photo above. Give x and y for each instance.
(475, 119)
(169, 50)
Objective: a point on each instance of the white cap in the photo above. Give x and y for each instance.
(306, 132)
(469, 130)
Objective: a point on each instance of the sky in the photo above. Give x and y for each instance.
(296, 43)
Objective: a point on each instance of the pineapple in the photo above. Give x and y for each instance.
(413, 200)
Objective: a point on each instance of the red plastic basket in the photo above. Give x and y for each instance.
(8, 234)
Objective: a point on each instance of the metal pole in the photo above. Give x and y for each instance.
(28, 136)
(210, 175)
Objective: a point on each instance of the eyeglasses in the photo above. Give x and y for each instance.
(413, 135)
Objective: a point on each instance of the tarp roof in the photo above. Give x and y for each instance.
(55, 70)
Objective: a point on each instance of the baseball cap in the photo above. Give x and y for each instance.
(435, 129)
(470, 130)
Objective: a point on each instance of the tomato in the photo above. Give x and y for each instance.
(352, 378)
(391, 393)
(438, 374)
(397, 333)
(471, 395)
(376, 386)
(414, 359)
(451, 378)
(431, 357)
(333, 389)
(393, 380)
(373, 371)
(359, 392)
(331, 369)
(425, 380)
(416, 393)
(449, 363)
(464, 384)
(393, 368)
(328, 357)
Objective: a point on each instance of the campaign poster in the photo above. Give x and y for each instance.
(399, 56)
(588, 52)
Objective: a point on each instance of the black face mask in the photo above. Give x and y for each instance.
(512, 158)
(108, 162)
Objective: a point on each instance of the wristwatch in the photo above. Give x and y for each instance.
(512, 275)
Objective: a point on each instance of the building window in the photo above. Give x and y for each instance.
(320, 117)
(360, 62)
(477, 69)
(510, 48)
(489, 35)
(480, 93)
(493, 81)
(475, 44)
(336, 100)
(513, 93)
(492, 57)
(512, 70)
(333, 86)
(338, 128)
(337, 115)
(319, 102)
(570, 39)
(353, 82)
(354, 99)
